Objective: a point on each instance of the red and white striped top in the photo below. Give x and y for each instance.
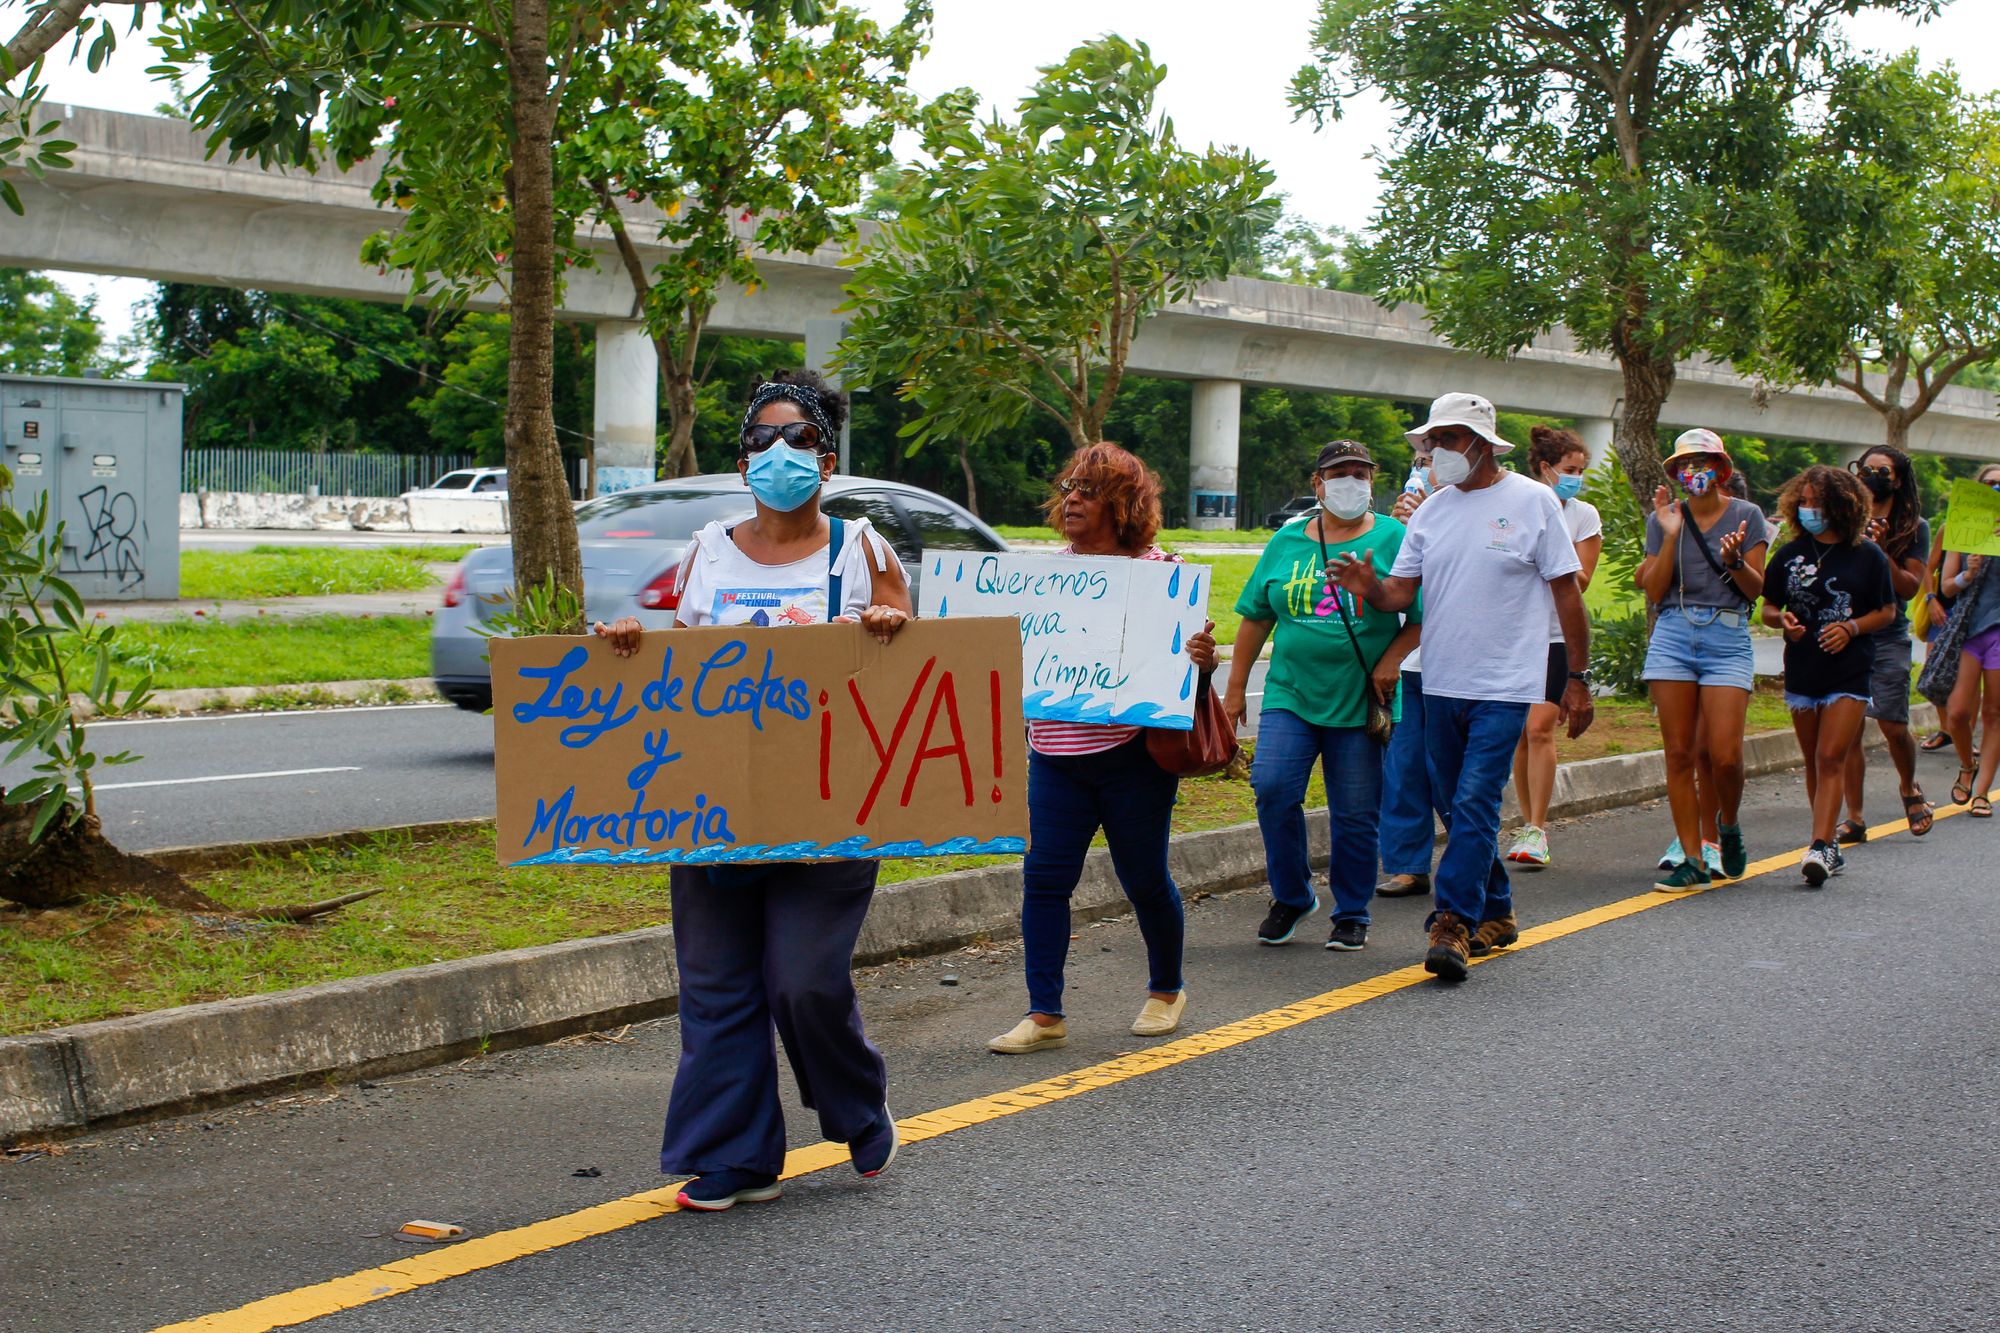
(1050, 737)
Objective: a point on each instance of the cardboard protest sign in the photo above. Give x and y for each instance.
(724, 745)
(1102, 638)
(1972, 523)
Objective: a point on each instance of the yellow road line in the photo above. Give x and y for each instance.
(304, 1304)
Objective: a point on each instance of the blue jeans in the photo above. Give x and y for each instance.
(1287, 745)
(1070, 797)
(1470, 744)
(770, 946)
(1408, 835)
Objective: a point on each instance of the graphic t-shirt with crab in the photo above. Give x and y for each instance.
(1823, 585)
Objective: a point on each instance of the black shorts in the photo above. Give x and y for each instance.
(1557, 683)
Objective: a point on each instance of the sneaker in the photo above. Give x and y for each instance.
(1495, 934)
(1735, 858)
(1839, 858)
(1530, 849)
(1028, 1035)
(1283, 920)
(1682, 878)
(1816, 864)
(1404, 886)
(1447, 956)
(876, 1148)
(719, 1191)
(1160, 1018)
(1711, 858)
(1348, 936)
(1673, 856)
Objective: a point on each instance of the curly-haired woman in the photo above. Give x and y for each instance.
(1896, 523)
(771, 945)
(1828, 589)
(1087, 776)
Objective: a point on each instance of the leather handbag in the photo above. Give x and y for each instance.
(1208, 747)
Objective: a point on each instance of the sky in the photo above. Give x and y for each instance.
(1225, 84)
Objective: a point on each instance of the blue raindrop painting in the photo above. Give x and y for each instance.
(1177, 639)
(1194, 593)
(1187, 683)
(1174, 583)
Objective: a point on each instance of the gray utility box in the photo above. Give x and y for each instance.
(107, 454)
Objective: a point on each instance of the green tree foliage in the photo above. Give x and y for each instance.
(1022, 262)
(462, 406)
(732, 124)
(1306, 254)
(46, 331)
(1612, 167)
(1899, 269)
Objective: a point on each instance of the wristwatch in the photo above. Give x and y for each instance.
(1583, 675)
(1735, 564)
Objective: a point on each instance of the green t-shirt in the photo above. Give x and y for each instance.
(1314, 674)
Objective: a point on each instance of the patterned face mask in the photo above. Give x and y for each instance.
(1698, 482)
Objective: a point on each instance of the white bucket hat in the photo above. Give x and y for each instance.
(1462, 409)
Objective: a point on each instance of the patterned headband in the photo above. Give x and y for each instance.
(806, 399)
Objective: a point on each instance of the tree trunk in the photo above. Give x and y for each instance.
(971, 481)
(679, 390)
(544, 524)
(1896, 427)
(1648, 381)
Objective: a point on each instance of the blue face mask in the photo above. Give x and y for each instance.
(1568, 485)
(783, 477)
(1812, 520)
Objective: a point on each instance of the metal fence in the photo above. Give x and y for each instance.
(279, 472)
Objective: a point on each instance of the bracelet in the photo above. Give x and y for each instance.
(1736, 566)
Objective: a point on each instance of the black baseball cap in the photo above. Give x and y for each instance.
(1343, 451)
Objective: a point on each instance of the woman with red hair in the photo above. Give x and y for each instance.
(1087, 776)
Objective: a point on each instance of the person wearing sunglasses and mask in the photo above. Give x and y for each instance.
(1704, 570)
(1329, 651)
(1896, 524)
(1557, 459)
(771, 945)
(1086, 776)
(1492, 554)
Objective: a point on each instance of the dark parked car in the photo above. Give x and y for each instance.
(1298, 504)
(632, 548)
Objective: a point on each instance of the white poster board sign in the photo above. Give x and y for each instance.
(1103, 639)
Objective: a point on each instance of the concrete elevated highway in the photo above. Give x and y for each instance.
(145, 200)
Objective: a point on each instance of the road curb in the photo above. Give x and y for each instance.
(126, 1069)
(216, 698)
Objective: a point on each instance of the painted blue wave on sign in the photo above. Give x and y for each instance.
(1045, 705)
(847, 849)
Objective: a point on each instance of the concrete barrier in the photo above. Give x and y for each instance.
(249, 510)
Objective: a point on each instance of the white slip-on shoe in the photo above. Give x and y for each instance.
(1160, 1017)
(1028, 1035)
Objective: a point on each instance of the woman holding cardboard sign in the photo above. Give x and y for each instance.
(1086, 776)
(770, 945)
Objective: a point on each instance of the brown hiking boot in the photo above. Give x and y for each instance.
(1495, 934)
(1446, 959)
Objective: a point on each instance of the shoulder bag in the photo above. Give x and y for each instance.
(1940, 674)
(1690, 528)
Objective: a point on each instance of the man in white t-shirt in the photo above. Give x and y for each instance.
(1493, 556)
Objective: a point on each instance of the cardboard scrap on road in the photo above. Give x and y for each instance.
(730, 745)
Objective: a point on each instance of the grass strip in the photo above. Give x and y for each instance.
(310, 571)
(191, 653)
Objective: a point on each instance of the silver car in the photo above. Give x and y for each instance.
(632, 548)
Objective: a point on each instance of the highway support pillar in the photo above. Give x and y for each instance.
(626, 427)
(1597, 434)
(1212, 453)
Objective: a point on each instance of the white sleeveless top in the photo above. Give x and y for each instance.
(719, 585)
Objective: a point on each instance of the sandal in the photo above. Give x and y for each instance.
(1934, 742)
(1961, 790)
(1851, 833)
(1981, 808)
(1918, 811)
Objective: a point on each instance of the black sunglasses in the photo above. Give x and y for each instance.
(1860, 471)
(803, 434)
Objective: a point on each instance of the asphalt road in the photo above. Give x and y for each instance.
(1754, 1108)
(261, 776)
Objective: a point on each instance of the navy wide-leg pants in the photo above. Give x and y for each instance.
(758, 948)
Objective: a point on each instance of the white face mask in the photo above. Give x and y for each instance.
(1345, 497)
(1449, 467)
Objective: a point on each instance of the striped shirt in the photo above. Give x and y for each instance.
(1071, 738)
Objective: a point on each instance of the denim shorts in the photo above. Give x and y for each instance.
(1889, 678)
(1812, 703)
(1703, 644)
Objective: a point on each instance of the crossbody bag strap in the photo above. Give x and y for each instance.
(1689, 526)
(836, 538)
